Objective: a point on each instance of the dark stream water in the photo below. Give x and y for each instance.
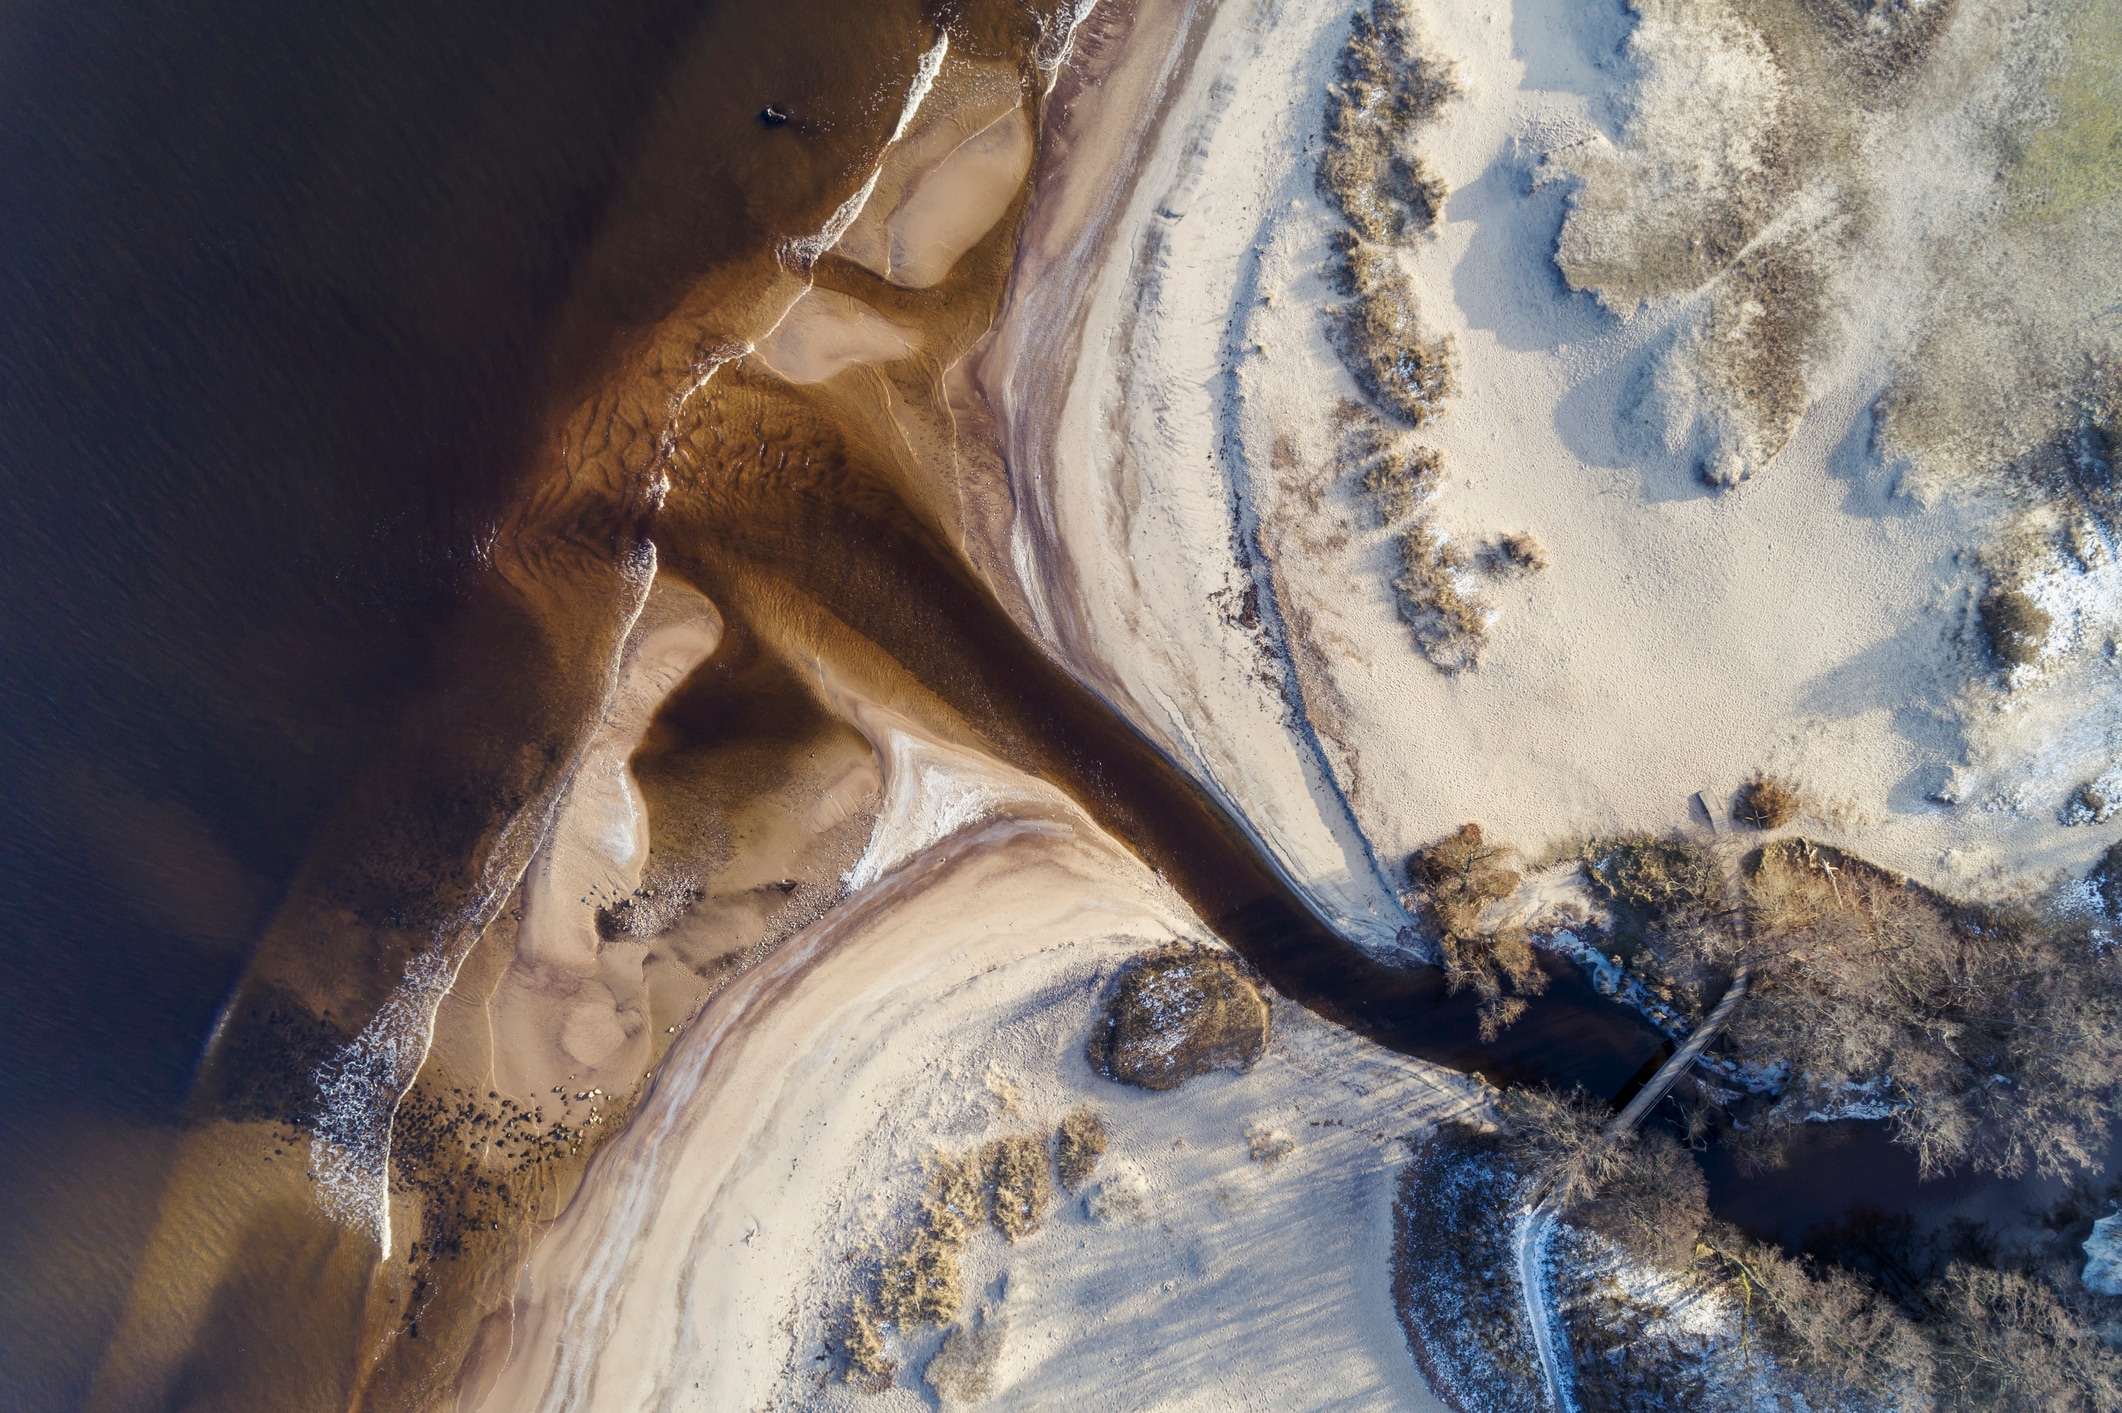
(279, 287)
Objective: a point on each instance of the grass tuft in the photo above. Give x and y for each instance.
(1078, 1145)
(1767, 802)
(1449, 622)
(1018, 1177)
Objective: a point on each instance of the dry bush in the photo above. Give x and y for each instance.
(2007, 1342)
(963, 1371)
(1381, 337)
(1455, 880)
(1449, 624)
(1176, 1014)
(1386, 84)
(1398, 478)
(1022, 1189)
(1558, 1141)
(1845, 1344)
(2013, 625)
(1513, 556)
(868, 1361)
(1268, 1146)
(1767, 802)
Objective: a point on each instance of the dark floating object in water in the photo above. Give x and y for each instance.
(773, 115)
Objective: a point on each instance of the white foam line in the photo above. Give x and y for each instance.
(924, 79)
(350, 1149)
(1051, 64)
(805, 252)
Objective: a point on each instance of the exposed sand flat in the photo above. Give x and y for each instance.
(705, 1262)
(567, 1007)
(1179, 469)
(946, 183)
(824, 333)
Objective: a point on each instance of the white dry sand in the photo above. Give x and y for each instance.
(718, 1240)
(1180, 459)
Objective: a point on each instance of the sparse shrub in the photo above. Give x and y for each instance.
(921, 1282)
(1766, 802)
(1177, 1014)
(1079, 1144)
(1449, 624)
(1455, 880)
(1381, 337)
(1385, 85)
(963, 1371)
(868, 1361)
(1017, 1174)
(2013, 626)
(1268, 1146)
(1513, 556)
(1397, 479)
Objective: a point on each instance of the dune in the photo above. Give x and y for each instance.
(1189, 536)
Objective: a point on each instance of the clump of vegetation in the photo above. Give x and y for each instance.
(1177, 1014)
(1449, 623)
(1386, 85)
(1396, 476)
(1020, 1185)
(1662, 884)
(869, 1360)
(2013, 626)
(1767, 802)
(1381, 337)
(1515, 555)
(921, 1284)
(1455, 880)
(1268, 1146)
(963, 1371)
(1079, 1144)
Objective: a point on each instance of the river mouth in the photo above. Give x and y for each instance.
(836, 512)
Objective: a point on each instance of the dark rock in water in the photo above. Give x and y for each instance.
(774, 115)
(1174, 1015)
